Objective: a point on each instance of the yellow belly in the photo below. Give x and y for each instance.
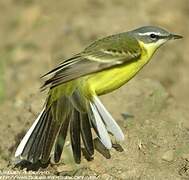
(111, 79)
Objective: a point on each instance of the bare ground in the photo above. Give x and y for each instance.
(34, 34)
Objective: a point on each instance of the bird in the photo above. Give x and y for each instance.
(73, 106)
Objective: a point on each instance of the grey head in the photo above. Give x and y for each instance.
(153, 34)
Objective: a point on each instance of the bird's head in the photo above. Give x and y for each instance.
(151, 37)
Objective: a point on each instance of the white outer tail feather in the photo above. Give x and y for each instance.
(22, 144)
(111, 124)
(104, 136)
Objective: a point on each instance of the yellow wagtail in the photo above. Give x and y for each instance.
(74, 87)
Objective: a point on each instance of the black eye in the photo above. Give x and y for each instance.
(154, 36)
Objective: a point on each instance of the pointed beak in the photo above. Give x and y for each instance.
(175, 36)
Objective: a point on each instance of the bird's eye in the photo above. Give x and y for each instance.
(153, 36)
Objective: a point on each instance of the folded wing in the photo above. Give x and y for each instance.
(97, 57)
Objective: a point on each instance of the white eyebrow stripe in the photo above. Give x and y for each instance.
(148, 33)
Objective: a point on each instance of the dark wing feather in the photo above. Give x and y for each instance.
(59, 145)
(64, 64)
(75, 136)
(64, 114)
(86, 134)
(101, 55)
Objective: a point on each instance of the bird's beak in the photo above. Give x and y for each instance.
(175, 36)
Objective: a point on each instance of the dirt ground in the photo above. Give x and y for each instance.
(35, 34)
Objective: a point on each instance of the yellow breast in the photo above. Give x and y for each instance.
(108, 80)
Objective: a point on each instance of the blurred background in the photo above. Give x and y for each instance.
(36, 35)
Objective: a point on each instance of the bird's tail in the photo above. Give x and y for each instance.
(75, 113)
(39, 139)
